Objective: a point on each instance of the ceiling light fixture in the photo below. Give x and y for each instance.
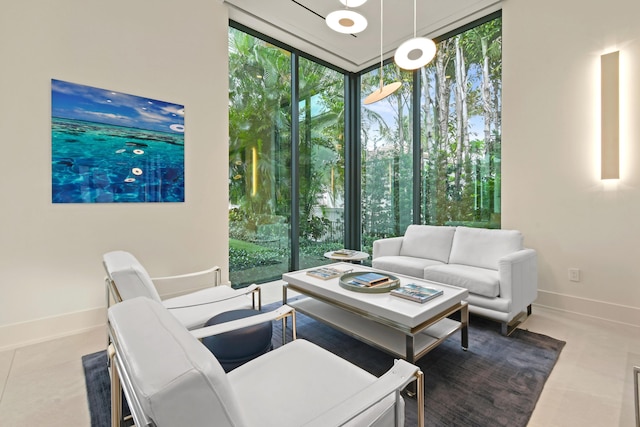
(346, 21)
(416, 52)
(353, 3)
(387, 90)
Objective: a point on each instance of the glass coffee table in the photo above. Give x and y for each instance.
(403, 328)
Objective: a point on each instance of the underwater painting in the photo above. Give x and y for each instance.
(110, 147)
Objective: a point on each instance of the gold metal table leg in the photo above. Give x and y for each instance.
(116, 390)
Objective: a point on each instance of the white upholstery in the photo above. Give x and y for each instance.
(124, 268)
(409, 265)
(323, 380)
(170, 370)
(500, 274)
(178, 382)
(429, 242)
(387, 247)
(193, 310)
(481, 281)
(481, 247)
(192, 313)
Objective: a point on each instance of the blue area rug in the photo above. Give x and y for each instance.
(497, 382)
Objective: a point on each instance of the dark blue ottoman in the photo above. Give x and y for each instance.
(234, 348)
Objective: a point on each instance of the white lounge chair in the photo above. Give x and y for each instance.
(170, 379)
(127, 278)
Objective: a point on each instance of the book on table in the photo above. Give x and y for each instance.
(344, 252)
(326, 273)
(416, 293)
(371, 279)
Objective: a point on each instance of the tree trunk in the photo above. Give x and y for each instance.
(443, 91)
(462, 131)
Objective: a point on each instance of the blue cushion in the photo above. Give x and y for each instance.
(234, 348)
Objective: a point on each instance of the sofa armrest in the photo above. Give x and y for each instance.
(519, 278)
(387, 247)
(393, 381)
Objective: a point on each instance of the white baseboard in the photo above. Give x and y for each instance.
(40, 330)
(35, 331)
(617, 313)
(45, 329)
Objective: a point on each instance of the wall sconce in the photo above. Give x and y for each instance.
(610, 115)
(254, 171)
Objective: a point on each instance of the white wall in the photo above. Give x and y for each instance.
(51, 277)
(551, 179)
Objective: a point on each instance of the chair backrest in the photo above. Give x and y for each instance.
(129, 276)
(175, 379)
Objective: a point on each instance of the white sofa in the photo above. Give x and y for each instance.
(500, 274)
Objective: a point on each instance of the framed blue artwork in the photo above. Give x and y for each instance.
(111, 147)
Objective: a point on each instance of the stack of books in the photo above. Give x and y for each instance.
(344, 253)
(371, 280)
(326, 273)
(416, 293)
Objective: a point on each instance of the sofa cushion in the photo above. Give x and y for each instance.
(404, 265)
(427, 241)
(481, 247)
(481, 281)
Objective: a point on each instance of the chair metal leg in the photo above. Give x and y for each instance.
(636, 374)
(420, 397)
(258, 291)
(116, 390)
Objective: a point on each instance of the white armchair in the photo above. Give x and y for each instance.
(298, 384)
(127, 278)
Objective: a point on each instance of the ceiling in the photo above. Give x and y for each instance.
(300, 23)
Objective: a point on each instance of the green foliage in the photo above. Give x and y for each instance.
(460, 146)
(260, 129)
(460, 139)
(243, 255)
(314, 227)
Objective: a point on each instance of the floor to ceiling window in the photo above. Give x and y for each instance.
(265, 239)
(387, 157)
(321, 162)
(259, 159)
(460, 129)
(429, 153)
(459, 150)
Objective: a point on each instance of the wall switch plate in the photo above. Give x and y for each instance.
(574, 274)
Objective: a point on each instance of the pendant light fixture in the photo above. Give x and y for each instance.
(353, 3)
(347, 21)
(416, 52)
(387, 90)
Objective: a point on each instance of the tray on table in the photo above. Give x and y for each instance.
(345, 280)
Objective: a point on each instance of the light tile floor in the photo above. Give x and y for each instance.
(591, 385)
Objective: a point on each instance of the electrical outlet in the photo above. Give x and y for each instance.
(574, 274)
